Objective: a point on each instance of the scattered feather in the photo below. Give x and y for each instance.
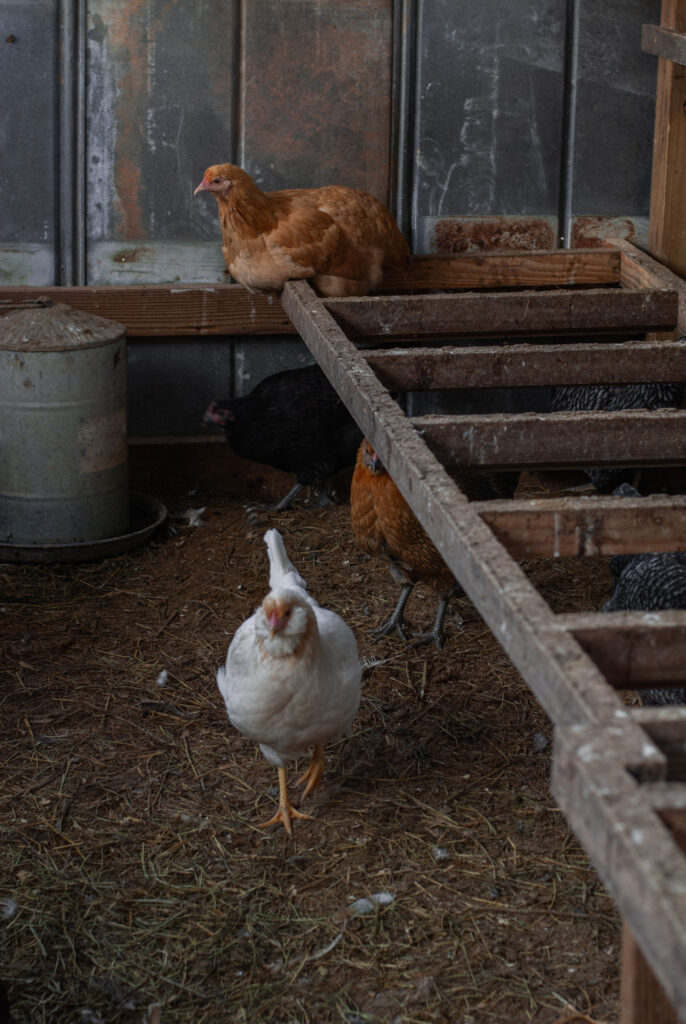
(8, 907)
(192, 516)
(368, 903)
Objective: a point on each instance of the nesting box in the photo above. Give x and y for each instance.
(63, 446)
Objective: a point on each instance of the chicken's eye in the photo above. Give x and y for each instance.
(215, 181)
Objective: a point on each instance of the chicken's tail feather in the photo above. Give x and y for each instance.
(282, 572)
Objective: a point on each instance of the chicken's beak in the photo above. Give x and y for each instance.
(202, 187)
(276, 623)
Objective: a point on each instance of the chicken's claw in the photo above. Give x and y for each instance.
(395, 623)
(286, 809)
(284, 815)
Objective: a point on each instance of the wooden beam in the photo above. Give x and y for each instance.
(639, 270)
(156, 310)
(667, 232)
(593, 525)
(506, 313)
(633, 650)
(535, 269)
(427, 369)
(159, 310)
(664, 43)
(556, 440)
(596, 773)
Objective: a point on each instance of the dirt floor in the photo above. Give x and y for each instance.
(132, 867)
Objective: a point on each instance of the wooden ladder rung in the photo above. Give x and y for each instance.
(525, 365)
(592, 525)
(555, 440)
(507, 313)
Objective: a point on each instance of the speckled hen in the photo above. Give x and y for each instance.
(649, 583)
(616, 398)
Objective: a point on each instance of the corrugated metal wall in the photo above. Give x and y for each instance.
(480, 121)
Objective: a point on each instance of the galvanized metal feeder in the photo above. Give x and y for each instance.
(64, 475)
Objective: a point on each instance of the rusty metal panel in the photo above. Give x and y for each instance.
(160, 102)
(28, 85)
(316, 93)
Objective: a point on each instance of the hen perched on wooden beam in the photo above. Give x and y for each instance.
(340, 238)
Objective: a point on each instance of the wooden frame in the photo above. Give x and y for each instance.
(605, 757)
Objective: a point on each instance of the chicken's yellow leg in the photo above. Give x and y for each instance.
(286, 809)
(314, 773)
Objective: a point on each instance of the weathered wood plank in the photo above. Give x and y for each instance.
(633, 650)
(561, 675)
(664, 43)
(592, 525)
(594, 781)
(556, 267)
(560, 439)
(492, 366)
(507, 313)
(638, 270)
(154, 310)
(643, 1000)
(667, 233)
(166, 310)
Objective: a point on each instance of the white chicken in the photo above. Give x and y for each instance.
(292, 677)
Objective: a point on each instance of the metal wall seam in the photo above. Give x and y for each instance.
(403, 107)
(571, 78)
(71, 234)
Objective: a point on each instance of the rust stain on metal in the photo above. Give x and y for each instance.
(492, 233)
(127, 35)
(131, 255)
(325, 119)
(589, 232)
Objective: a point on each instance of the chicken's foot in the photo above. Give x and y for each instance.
(436, 634)
(286, 811)
(325, 498)
(395, 623)
(285, 502)
(312, 777)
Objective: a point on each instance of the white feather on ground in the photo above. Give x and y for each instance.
(292, 676)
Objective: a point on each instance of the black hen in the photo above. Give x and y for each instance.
(649, 583)
(615, 398)
(294, 421)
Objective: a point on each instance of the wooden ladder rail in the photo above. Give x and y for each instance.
(550, 656)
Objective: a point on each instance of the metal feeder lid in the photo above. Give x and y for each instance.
(48, 327)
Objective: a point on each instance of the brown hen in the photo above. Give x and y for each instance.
(384, 525)
(339, 238)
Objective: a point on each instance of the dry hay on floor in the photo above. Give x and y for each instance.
(132, 868)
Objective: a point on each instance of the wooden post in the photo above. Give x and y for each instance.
(667, 234)
(642, 998)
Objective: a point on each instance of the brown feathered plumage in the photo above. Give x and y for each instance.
(384, 525)
(339, 238)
